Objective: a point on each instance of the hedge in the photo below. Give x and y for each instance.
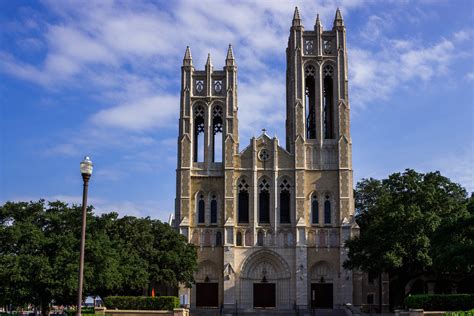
(441, 302)
(84, 310)
(466, 313)
(142, 302)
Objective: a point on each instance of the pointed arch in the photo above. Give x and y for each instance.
(264, 200)
(214, 208)
(243, 200)
(207, 270)
(248, 238)
(260, 238)
(284, 200)
(218, 238)
(199, 132)
(195, 237)
(314, 208)
(207, 238)
(277, 267)
(328, 100)
(310, 101)
(239, 239)
(266, 266)
(200, 208)
(322, 270)
(217, 129)
(327, 209)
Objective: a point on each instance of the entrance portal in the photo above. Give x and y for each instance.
(207, 294)
(321, 295)
(264, 295)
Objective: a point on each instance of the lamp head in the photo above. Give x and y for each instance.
(86, 166)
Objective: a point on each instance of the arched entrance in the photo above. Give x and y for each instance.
(206, 289)
(322, 289)
(265, 281)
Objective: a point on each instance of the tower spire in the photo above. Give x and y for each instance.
(338, 21)
(317, 24)
(296, 17)
(230, 60)
(230, 53)
(208, 62)
(188, 59)
(318, 21)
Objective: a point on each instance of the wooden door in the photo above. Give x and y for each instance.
(264, 295)
(321, 295)
(207, 294)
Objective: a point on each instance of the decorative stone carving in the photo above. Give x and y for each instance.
(217, 86)
(327, 45)
(343, 152)
(309, 47)
(199, 86)
(310, 71)
(328, 71)
(228, 271)
(263, 155)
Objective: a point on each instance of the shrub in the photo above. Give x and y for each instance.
(84, 310)
(441, 302)
(142, 302)
(466, 313)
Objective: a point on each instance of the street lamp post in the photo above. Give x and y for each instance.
(86, 171)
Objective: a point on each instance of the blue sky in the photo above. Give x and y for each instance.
(102, 78)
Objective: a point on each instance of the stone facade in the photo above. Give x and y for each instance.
(268, 214)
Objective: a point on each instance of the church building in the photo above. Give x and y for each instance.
(270, 222)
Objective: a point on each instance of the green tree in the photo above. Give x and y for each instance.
(39, 254)
(152, 252)
(400, 218)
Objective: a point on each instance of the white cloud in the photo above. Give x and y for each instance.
(24, 71)
(463, 35)
(376, 74)
(62, 149)
(151, 112)
(129, 54)
(457, 166)
(261, 105)
(374, 27)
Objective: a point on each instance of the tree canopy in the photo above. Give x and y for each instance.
(39, 254)
(412, 223)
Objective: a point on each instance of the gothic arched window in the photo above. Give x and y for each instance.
(217, 134)
(213, 210)
(239, 239)
(243, 201)
(314, 209)
(218, 239)
(327, 210)
(264, 202)
(198, 134)
(310, 102)
(201, 209)
(328, 102)
(285, 201)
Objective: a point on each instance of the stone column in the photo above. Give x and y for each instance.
(301, 266)
(229, 274)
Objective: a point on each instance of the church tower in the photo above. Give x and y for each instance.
(208, 139)
(269, 223)
(317, 122)
(318, 137)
